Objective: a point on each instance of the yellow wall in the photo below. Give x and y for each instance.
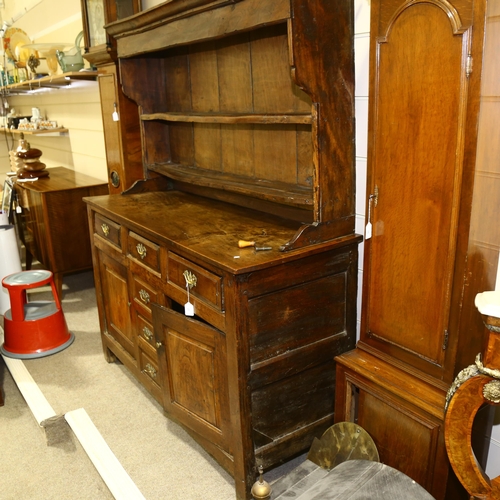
(76, 108)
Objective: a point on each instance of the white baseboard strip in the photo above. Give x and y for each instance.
(114, 475)
(34, 397)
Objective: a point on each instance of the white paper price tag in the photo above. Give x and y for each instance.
(368, 231)
(188, 309)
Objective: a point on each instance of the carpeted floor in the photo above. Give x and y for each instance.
(160, 457)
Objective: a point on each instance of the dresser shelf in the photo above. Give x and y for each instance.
(231, 118)
(287, 194)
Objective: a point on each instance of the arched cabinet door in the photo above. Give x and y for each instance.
(420, 79)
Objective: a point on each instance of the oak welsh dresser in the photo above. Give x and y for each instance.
(246, 120)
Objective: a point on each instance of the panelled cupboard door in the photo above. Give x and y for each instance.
(114, 289)
(192, 365)
(419, 91)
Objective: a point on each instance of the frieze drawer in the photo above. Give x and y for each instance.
(203, 284)
(108, 230)
(144, 251)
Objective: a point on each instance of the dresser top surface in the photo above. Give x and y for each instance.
(208, 229)
(61, 179)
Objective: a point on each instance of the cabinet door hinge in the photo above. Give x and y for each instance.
(445, 341)
(468, 68)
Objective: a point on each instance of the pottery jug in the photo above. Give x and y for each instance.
(71, 60)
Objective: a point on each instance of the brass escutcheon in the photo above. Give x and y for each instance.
(141, 250)
(105, 229)
(144, 296)
(148, 334)
(190, 278)
(150, 370)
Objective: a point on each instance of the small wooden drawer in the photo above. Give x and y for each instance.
(149, 367)
(206, 286)
(145, 331)
(143, 294)
(107, 229)
(144, 251)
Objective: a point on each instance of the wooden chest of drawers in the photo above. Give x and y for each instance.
(52, 223)
(251, 375)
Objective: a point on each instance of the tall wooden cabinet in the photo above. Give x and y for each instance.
(246, 120)
(433, 107)
(119, 114)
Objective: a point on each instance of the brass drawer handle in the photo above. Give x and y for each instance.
(150, 370)
(141, 250)
(144, 296)
(148, 334)
(190, 278)
(105, 229)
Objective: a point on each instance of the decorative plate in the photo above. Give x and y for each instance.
(13, 38)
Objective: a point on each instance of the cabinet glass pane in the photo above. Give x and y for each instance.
(95, 12)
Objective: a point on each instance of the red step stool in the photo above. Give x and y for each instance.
(33, 329)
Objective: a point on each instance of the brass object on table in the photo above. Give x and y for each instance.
(261, 490)
(341, 442)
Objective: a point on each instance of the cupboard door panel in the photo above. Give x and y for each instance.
(405, 438)
(418, 119)
(192, 359)
(114, 289)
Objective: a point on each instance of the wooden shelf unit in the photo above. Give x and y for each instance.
(246, 123)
